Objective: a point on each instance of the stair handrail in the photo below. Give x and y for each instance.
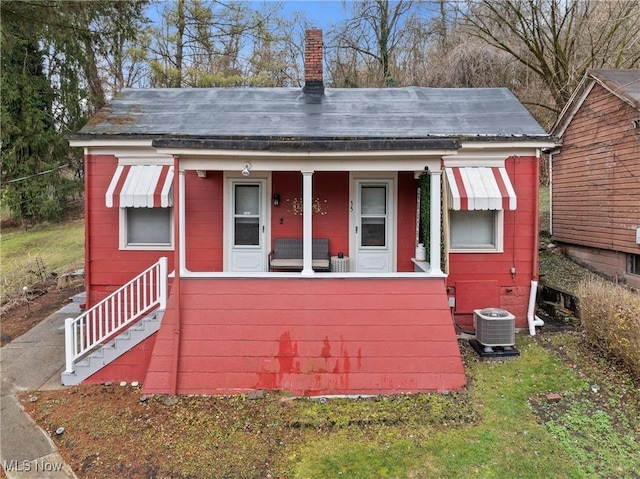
(115, 313)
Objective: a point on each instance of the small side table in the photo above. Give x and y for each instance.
(339, 265)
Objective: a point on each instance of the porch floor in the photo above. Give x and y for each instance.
(307, 337)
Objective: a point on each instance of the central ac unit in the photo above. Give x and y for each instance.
(494, 327)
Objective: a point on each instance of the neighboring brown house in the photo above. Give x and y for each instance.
(596, 175)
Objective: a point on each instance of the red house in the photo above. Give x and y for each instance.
(289, 223)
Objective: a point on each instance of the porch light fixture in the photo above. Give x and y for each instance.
(276, 199)
(245, 169)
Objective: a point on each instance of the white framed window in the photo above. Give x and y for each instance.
(476, 231)
(146, 228)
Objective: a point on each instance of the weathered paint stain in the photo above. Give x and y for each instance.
(359, 359)
(267, 380)
(287, 352)
(326, 348)
(346, 369)
(336, 368)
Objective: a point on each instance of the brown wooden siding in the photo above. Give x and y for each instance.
(596, 176)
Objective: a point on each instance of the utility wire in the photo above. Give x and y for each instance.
(37, 174)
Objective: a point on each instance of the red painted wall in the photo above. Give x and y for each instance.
(309, 337)
(407, 196)
(106, 266)
(479, 280)
(204, 218)
(332, 221)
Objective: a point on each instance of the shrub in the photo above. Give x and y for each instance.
(611, 319)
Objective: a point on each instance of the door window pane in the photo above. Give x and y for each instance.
(247, 198)
(373, 232)
(247, 231)
(374, 200)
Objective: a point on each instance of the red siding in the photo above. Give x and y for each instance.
(108, 267)
(204, 221)
(407, 197)
(309, 337)
(332, 192)
(479, 280)
(131, 366)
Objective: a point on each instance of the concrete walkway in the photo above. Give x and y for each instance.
(32, 362)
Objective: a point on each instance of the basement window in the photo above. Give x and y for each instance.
(633, 264)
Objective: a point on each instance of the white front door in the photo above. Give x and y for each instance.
(247, 223)
(374, 220)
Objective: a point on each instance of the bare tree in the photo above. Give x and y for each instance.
(558, 40)
(366, 48)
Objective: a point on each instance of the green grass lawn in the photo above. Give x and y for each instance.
(58, 247)
(505, 441)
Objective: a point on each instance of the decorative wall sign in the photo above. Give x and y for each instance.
(296, 206)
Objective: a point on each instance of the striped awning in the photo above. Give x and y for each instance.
(480, 188)
(141, 186)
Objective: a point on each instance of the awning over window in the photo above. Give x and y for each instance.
(480, 188)
(141, 186)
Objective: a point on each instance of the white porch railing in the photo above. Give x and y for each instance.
(143, 294)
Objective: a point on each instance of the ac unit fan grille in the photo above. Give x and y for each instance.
(495, 331)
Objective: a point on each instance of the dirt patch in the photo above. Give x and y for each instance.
(112, 431)
(22, 312)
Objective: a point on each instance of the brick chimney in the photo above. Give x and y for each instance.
(313, 50)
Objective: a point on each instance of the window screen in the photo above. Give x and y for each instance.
(473, 229)
(148, 226)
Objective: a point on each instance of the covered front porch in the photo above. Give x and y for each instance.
(233, 207)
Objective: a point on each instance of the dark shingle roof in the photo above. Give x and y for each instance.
(287, 113)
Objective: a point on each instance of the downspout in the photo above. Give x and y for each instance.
(177, 215)
(532, 319)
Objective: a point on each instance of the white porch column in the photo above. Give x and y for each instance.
(307, 233)
(182, 252)
(435, 221)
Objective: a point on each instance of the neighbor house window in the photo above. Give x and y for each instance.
(475, 230)
(633, 264)
(146, 228)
